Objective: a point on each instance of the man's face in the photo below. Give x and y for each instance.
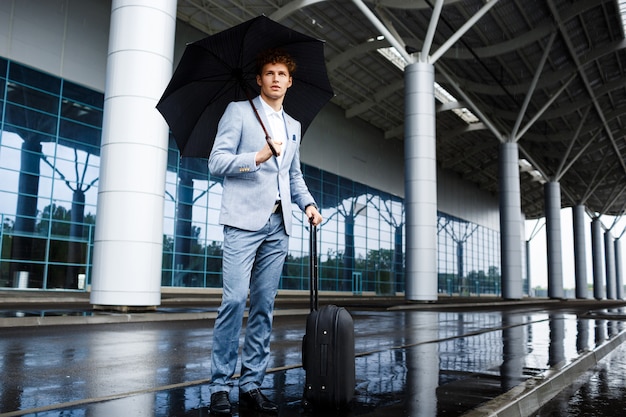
(274, 81)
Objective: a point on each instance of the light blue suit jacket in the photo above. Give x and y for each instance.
(250, 190)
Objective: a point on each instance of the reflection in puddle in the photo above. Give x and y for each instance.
(598, 392)
(415, 363)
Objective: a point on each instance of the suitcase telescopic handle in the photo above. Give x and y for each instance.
(313, 268)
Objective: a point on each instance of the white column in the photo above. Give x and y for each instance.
(580, 251)
(420, 183)
(552, 192)
(609, 260)
(422, 364)
(619, 270)
(129, 226)
(510, 222)
(597, 259)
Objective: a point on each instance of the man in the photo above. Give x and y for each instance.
(256, 213)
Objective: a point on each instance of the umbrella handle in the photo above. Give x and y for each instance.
(268, 138)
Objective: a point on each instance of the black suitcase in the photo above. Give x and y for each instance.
(327, 349)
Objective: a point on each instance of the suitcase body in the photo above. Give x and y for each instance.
(327, 349)
(328, 358)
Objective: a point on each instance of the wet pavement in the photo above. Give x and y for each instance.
(453, 358)
(601, 391)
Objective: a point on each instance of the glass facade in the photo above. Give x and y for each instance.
(49, 165)
(469, 257)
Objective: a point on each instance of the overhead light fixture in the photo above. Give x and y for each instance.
(525, 166)
(392, 55)
(536, 175)
(621, 7)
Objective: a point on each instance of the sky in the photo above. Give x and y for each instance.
(538, 257)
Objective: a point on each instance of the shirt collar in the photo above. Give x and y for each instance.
(270, 111)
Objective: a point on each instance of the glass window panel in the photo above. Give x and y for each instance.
(57, 275)
(84, 136)
(28, 122)
(34, 78)
(3, 67)
(83, 95)
(28, 97)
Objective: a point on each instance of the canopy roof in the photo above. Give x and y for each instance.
(549, 75)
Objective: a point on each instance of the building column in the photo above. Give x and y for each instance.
(420, 182)
(596, 258)
(609, 260)
(129, 226)
(510, 222)
(552, 197)
(619, 270)
(531, 292)
(580, 251)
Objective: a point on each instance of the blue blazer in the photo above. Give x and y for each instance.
(250, 190)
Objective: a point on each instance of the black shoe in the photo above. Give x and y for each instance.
(254, 399)
(220, 404)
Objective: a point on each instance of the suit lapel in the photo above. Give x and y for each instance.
(259, 108)
(261, 112)
(290, 126)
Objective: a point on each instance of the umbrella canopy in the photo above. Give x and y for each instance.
(221, 68)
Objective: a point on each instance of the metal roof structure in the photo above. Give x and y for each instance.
(547, 74)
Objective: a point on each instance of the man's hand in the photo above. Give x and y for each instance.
(266, 153)
(314, 216)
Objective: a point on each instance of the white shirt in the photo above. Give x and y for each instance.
(277, 128)
(277, 131)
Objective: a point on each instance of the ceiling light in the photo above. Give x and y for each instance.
(621, 6)
(524, 165)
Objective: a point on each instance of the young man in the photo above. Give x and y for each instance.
(256, 213)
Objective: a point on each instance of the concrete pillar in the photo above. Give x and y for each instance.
(129, 226)
(510, 222)
(596, 259)
(609, 260)
(619, 270)
(513, 351)
(420, 182)
(528, 274)
(552, 197)
(422, 364)
(580, 251)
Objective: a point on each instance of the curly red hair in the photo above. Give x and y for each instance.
(275, 56)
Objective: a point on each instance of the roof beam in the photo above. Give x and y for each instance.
(593, 184)
(291, 7)
(583, 75)
(561, 170)
(474, 108)
(466, 26)
(354, 52)
(616, 194)
(396, 43)
(432, 28)
(533, 84)
(543, 109)
(380, 95)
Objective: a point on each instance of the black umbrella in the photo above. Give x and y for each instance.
(221, 68)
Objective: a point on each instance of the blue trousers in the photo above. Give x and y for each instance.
(251, 261)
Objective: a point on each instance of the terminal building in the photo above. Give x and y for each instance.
(452, 124)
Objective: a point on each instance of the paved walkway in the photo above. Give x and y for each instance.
(470, 357)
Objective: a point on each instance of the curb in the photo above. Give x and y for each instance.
(116, 318)
(528, 397)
